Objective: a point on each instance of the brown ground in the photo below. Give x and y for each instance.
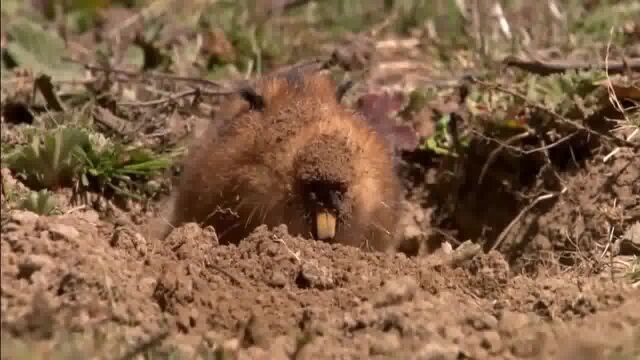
(274, 296)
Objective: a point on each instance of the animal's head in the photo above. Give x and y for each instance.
(333, 169)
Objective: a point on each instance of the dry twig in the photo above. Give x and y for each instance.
(526, 209)
(161, 101)
(546, 68)
(157, 76)
(573, 123)
(613, 98)
(492, 156)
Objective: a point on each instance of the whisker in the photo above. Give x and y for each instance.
(268, 208)
(264, 211)
(240, 204)
(250, 217)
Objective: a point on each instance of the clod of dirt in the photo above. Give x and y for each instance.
(490, 273)
(24, 218)
(190, 241)
(62, 231)
(384, 344)
(32, 264)
(397, 291)
(39, 321)
(482, 322)
(511, 322)
(445, 255)
(127, 239)
(312, 275)
(278, 279)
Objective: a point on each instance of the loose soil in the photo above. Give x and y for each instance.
(274, 296)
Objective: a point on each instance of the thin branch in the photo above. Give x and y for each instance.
(613, 98)
(154, 76)
(546, 68)
(111, 121)
(284, 6)
(515, 220)
(573, 123)
(161, 101)
(497, 150)
(521, 151)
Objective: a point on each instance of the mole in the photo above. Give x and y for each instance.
(285, 150)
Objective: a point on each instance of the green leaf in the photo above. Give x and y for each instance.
(41, 51)
(41, 202)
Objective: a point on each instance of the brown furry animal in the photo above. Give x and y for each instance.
(287, 152)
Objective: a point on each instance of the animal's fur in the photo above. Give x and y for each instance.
(250, 166)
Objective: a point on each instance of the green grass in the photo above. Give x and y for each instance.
(40, 202)
(74, 157)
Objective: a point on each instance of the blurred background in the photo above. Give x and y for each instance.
(223, 38)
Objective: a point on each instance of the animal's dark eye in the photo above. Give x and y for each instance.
(255, 100)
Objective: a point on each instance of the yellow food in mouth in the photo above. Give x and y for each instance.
(325, 225)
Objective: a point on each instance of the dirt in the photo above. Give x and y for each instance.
(274, 296)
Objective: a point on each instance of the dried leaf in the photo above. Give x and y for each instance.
(379, 111)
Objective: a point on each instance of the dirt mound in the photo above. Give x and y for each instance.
(274, 295)
(533, 212)
(601, 201)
